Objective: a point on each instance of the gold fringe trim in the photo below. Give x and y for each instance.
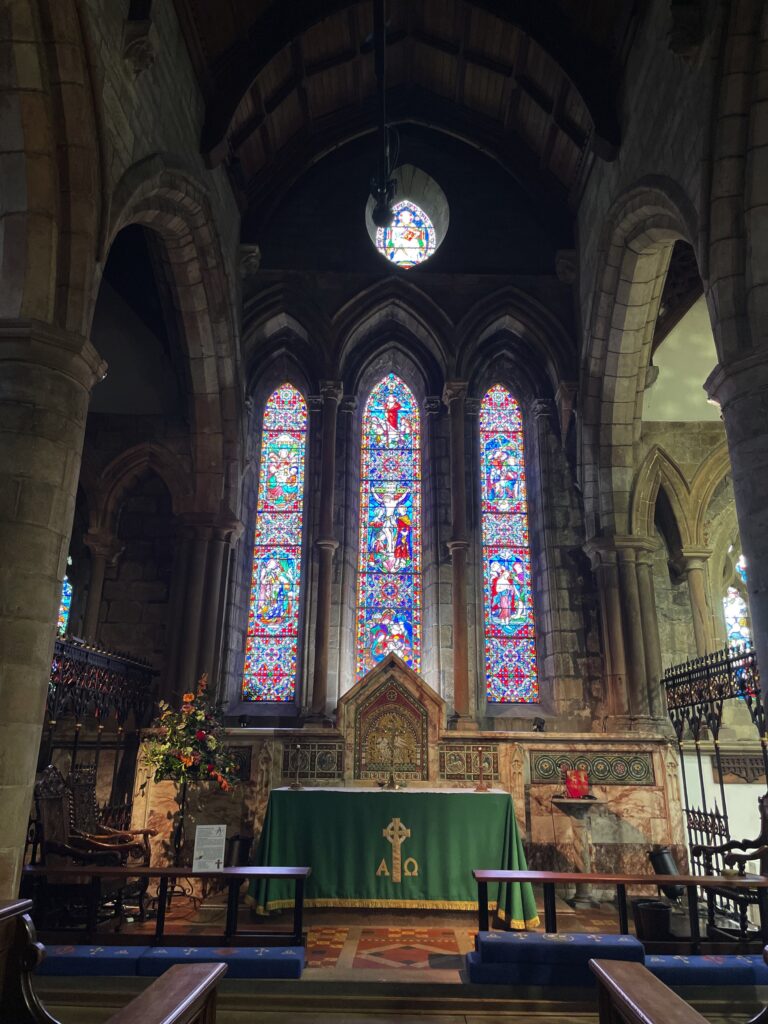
(378, 905)
(517, 923)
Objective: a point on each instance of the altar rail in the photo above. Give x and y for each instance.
(185, 994)
(692, 883)
(89, 880)
(627, 993)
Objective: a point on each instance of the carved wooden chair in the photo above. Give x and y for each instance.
(86, 819)
(727, 855)
(62, 839)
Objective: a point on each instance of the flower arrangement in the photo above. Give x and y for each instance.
(188, 744)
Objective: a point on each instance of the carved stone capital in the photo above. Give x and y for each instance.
(138, 45)
(348, 403)
(566, 265)
(315, 403)
(432, 405)
(331, 390)
(103, 544)
(327, 544)
(250, 259)
(454, 391)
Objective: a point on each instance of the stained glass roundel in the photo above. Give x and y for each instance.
(271, 646)
(510, 638)
(411, 239)
(389, 574)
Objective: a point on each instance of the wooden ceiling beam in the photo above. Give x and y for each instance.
(588, 68)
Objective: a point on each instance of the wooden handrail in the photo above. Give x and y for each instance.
(628, 993)
(692, 883)
(231, 877)
(184, 994)
(13, 908)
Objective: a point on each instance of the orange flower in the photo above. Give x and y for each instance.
(188, 698)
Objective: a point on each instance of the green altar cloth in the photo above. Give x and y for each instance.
(406, 849)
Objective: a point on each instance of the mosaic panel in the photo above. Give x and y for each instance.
(317, 759)
(603, 769)
(460, 762)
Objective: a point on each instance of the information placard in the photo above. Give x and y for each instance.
(210, 841)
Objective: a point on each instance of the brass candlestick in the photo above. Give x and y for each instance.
(296, 784)
(482, 786)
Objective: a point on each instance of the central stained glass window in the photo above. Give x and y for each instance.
(411, 239)
(510, 638)
(389, 577)
(271, 647)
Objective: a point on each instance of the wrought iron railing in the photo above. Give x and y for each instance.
(697, 693)
(90, 683)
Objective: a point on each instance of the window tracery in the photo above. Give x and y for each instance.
(272, 639)
(389, 596)
(509, 627)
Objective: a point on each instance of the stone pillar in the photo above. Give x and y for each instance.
(453, 395)
(633, 629)
(223, 536)
(331, 391)
(693, 563)
(197, 535)
(104, 550)
(605, 567)
(741, 390)
(45, 380)
(653, 667)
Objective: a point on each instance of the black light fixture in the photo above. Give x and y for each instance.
(539, 725)
(383, 185)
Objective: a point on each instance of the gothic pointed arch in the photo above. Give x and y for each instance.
(389, 583)
(511, 669)
(271, 669)
(660, 470)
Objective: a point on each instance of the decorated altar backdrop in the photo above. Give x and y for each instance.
(397, 849)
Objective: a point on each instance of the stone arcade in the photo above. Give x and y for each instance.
(441, 498)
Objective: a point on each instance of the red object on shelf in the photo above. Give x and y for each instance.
(576, 782)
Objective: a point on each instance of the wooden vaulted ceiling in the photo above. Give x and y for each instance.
(531, 82)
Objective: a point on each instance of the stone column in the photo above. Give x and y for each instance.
(454, 394)
(331, 391)
(633, 628)
(693, 563)
(653, 667)
(104, 550)
(197, 535)
(741, 389)
(45, 380)
(605, 567)
(223, 536)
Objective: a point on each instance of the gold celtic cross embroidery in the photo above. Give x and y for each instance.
(396, 833)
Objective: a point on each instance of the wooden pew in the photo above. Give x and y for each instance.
(185, 994)
(627, 993)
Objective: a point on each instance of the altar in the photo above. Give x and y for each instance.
(405, 849)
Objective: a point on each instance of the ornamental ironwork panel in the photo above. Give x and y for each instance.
(87, 683)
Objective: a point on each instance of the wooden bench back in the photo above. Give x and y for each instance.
(184, 994)
(629, 994)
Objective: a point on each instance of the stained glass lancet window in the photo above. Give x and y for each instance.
(411, 239)
(510, 639)
(389, 577)
(271, 648)
(64, 607)
(736, 610)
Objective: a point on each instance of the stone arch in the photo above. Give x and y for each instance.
(118, 477)
(657, 472)
(392, 311)
(283, 309)
(49, 199)
(705, 481)
(164, 198)
(515, 314)
(635, 248)
(281, 336)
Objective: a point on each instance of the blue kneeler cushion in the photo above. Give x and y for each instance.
(535, 958)
(674, 970)
(91, 961)
(150, 962)
(242, 961)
